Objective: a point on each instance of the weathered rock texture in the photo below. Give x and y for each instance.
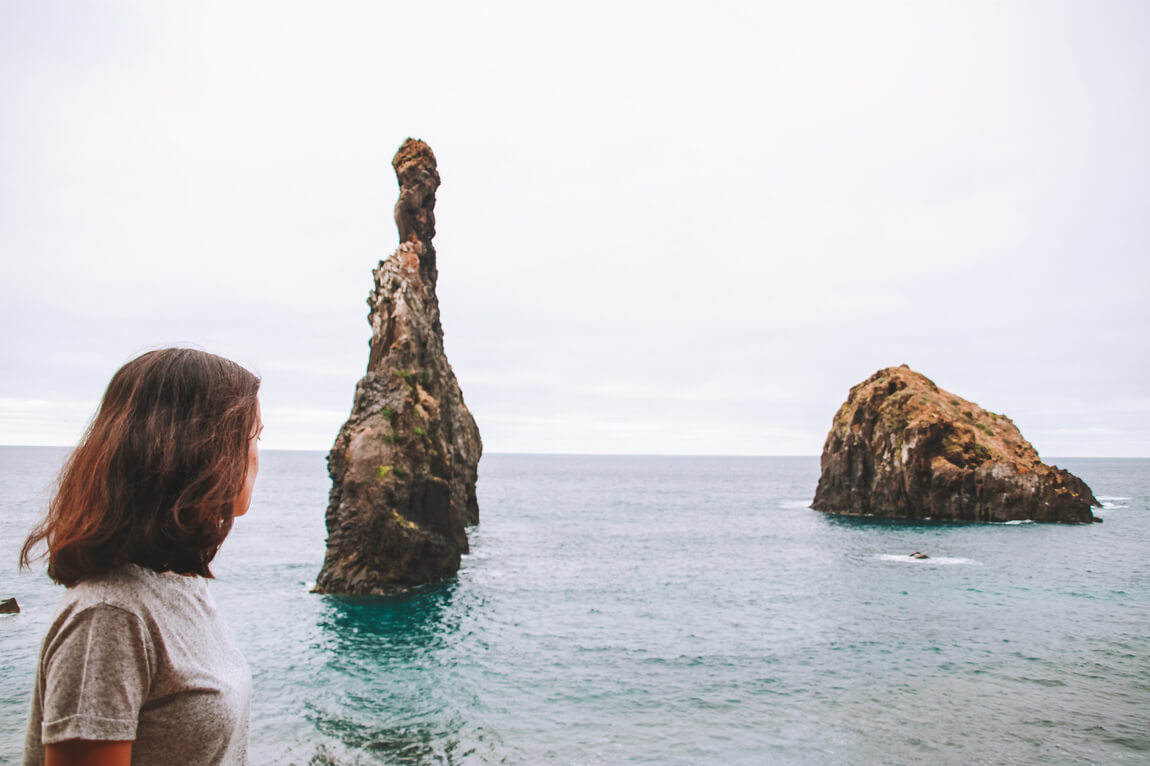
(901, 447)
(405, 463)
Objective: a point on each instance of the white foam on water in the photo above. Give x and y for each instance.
(797, 503)
(938, 560)
(1110, 502)
(1016, 522)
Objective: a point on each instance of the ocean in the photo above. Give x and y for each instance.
(669, 610)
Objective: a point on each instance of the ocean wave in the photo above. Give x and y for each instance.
(905, 558)
(1110, 502)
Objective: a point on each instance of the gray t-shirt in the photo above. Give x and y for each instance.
(144, 656)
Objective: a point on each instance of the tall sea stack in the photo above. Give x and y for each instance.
(901, 447)
(404, 465)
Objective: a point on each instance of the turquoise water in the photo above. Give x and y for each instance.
(671, 611)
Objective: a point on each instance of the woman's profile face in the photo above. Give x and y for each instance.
(244, 500)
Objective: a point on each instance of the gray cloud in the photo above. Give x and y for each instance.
(660, 230)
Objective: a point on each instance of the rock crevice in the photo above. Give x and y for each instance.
(405, 464)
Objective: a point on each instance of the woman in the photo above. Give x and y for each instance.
(137, 666)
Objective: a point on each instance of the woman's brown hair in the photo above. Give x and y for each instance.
(155, 478)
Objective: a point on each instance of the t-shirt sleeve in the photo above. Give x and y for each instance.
(96, 676)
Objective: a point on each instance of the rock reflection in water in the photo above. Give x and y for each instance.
(382, 695)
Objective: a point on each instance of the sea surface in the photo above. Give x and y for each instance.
(669, 610)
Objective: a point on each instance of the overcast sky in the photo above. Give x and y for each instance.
(663, 227)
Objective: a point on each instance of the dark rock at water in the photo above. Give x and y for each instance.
(9, 606)
(901, 447)
(405, 464)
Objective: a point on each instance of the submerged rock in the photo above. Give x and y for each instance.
(405, 463)
(901, 447)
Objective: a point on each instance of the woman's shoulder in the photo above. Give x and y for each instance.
(131, 606)
(132, 588)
